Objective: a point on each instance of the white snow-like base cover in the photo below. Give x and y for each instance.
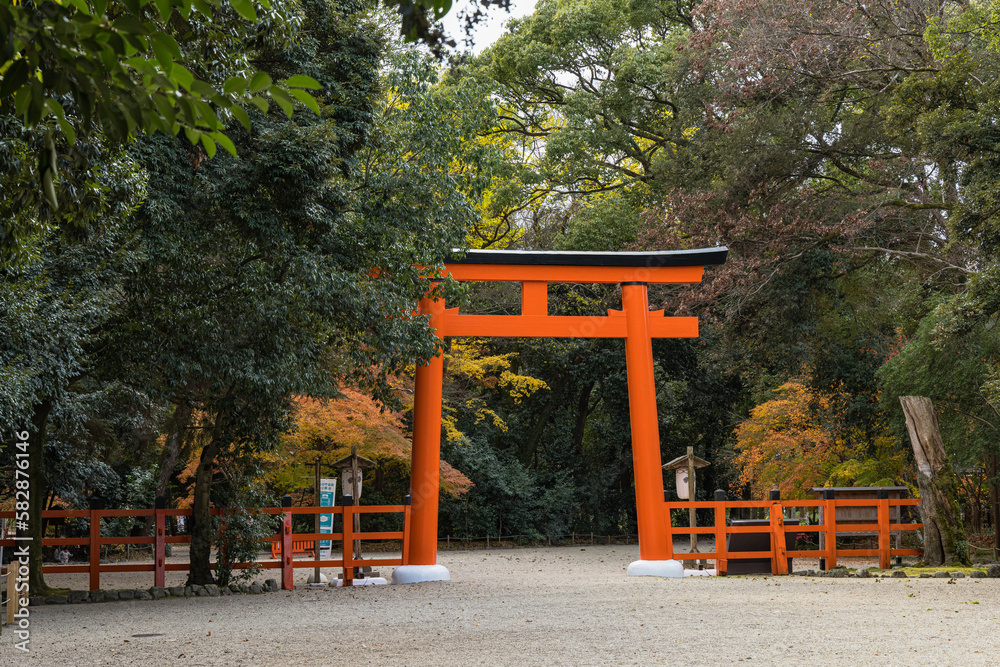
(367, 581)
(413, 574)
(656, 568)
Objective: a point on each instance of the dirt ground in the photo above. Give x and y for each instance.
(537, 606)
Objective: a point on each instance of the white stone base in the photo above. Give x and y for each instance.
(656, 568)
(367, 581)
(413, 574)
(322, 579)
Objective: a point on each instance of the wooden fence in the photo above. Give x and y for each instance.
(777, 529)
(285, 537)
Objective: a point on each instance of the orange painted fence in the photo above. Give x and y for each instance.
(284, 538)
(302, 548)
(777, 529)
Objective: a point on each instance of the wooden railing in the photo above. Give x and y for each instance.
(777, 529)
(159, 539)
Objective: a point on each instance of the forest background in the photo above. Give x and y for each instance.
(203, 325)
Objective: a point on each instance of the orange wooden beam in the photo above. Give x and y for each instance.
(534, 326)
(721, 560)
(535, 298)
(884, 556)
(679, 275)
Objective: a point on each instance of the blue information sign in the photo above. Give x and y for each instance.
(327, 488)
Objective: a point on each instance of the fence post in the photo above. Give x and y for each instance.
(13, 596)
(348, 544)
(95, 543)
(884, 559)
(406, 529)
(160, 542)
(720, 533)
(287, 572)
(829, 529)
(779, 561)
(669, 524)
(899, 534)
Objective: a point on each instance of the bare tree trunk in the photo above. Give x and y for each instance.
(202, 530)
(939, 507)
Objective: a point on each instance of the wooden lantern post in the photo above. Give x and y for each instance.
(355, 464)
(689, 463)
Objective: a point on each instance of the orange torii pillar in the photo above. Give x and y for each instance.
(646, 462)
(635, 323)
(425, 466)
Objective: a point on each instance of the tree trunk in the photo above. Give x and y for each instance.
(202, 530)
(37, 494)
(175, 435)
(582, 412)
(939, 507)
(530, 446)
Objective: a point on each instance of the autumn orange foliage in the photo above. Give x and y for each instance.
(783, 445)
(329, 428)
(795, 442)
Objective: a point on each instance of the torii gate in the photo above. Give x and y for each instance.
(635, 323)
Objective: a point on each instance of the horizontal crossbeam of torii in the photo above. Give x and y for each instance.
(635, 323)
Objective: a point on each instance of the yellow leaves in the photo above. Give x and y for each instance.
(466, 359)
(521, 386)
(467, 365)
(485, 413)
(449, 422)
(494, 227)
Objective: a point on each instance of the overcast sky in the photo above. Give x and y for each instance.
(489, 31)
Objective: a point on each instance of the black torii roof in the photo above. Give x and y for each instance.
(654, 259)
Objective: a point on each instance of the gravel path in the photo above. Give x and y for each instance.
(544, 606)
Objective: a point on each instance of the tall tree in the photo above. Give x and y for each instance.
(257, 283)
(944, 532)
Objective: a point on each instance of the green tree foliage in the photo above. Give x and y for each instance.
(846, 157)
(52, 309)
(596, 99)
(72, 68)
(122, 69)
(242, 526)
(958, 371)
(852, 179)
